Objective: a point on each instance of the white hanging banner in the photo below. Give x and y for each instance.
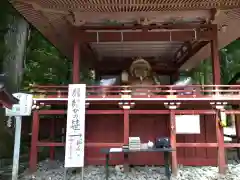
(75, 135)
(187, 124)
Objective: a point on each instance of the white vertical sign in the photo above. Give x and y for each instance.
(75, 135)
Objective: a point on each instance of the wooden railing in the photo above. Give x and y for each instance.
(142, 91)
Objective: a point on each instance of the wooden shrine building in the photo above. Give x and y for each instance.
(135, 41)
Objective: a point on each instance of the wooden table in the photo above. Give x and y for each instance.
(166, 151)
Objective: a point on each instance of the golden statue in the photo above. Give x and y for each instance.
(141, 77)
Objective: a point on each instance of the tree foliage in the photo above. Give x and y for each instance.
(44, 64)
(5, 10)
(229, 64)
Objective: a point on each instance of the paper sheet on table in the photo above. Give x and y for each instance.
(115, 149)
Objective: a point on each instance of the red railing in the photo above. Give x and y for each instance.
(142, 91)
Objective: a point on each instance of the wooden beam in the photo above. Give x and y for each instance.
(87, 144)
(184, 49)
(199, 145)
(117, 36)
(88, 49)
(100, 144)
(190, 52)
(143, 111)
(179, 26)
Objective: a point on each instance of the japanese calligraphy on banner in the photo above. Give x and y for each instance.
(75, 135)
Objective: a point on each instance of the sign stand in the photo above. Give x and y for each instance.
(17, 142)
(65, 173)
(23, 108)
(82, 173)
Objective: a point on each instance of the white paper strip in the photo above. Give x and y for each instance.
(75, 135)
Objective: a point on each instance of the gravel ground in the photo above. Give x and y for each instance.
(53, 170)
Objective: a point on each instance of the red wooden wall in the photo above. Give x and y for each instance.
(109, 129)
(199, 156)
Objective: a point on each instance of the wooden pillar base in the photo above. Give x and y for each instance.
(126, 163)
(34, 152)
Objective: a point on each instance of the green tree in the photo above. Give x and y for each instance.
(44, 64)
(13, 37)
(230, 61)
(229, 64)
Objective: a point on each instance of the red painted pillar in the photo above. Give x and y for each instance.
(173, 141)
(34, 141)
(76, 59)
(221, 148)
(217, 81)
(52, 133)
(237, 126)
(215, 57)
(126, 126)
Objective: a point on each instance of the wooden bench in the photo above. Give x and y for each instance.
(166, 151)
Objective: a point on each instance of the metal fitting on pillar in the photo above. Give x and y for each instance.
(87, 105)
(126, 105)
(36, 105)
(218, 105)
(172, 105)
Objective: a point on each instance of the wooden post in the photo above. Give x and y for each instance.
(217, 81)
(126, 125)
(221, 148)
(215, 58)
(34, 141)
(76, 61)
(52, 133)
(126, 134)
(237, 126)
(173, 141)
